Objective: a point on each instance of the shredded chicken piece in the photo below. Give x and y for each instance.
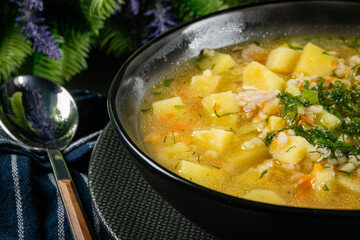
(254, 53)
(254, 97)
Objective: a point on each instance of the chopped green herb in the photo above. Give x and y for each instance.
(165, 139)
(325, 187)
(326, 53)
(173, 136)
(198, 158)
(231, 130)
(358, 72)
(347, 173)
(290, 148)
(179, 106)
(177, 164)
(263, 173)
(167, 82)
(212, 66)
(200, 115)
(160, 94)
(219, 116)
(257, 43)
(215, 167)
(198, 67)
(146, 110)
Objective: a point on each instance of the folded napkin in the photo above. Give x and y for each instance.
(30, 203)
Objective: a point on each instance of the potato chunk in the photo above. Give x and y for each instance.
(349, 183)
(204, 84)
(206, 176)
(218, 63)
(215, 139)
(221, 103)
(315, 60)
(326, 176)
(328, 120)
(266, 196)
(168, 106)
(293, 90)
(282, 60)
(276, 123)
(292, 152)
(257, 76)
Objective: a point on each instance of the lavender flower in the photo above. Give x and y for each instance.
(42, 40)
(38, 115)
(134, 6)
(162, 21)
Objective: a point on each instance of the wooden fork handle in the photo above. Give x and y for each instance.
(73, 209)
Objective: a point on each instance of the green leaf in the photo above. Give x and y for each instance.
(115, 37)
(167, 82)
(104, 8)
(13, 51)
(189, 9)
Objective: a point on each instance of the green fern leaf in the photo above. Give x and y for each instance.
(74, 50)
(234, 3)
(190, 9)
(115, 38)
(13, 51)
(104, 8)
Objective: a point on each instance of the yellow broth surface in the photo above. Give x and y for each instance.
(275, 121)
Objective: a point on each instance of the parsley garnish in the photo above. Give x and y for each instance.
(167, 82)
(263, 173)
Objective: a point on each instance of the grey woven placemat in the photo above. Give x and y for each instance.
(126, 204)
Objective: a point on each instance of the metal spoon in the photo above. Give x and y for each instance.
(43, 116)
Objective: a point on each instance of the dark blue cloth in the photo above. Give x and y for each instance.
(30, 203)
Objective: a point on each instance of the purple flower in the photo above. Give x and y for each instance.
(134, 6)
(42, 40)
(163, 19)
(38, 116)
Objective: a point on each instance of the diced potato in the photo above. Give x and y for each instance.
(230, 121)
(282, 60)
(272, 107)
(168, 106)
(204, 84)
(326, 176)
(206, 176)
(328, 120)
(176, 150)
(276, 123)
(315, 60)
(241, 157)
(293, 90)
(215, 139)
(292, 152)
(222, 103)
(349, 183)
(266, 196)
(257, 76)
(218, 63)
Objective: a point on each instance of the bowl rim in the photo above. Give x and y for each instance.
(210, 194)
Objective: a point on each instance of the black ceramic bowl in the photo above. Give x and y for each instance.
(223, 215)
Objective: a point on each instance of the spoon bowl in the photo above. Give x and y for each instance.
(38, 113)
(43, 116)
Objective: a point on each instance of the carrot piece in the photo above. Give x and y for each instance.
(317, 168)
(307, 181)
(213, 161)
(304, 119)
(217, 107)
(178, 127)
(262, 104)
(167, 117)
(285, 131)
(334, 63)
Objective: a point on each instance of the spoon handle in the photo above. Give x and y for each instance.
(75, 212)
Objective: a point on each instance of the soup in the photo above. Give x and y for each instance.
(275, 121)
